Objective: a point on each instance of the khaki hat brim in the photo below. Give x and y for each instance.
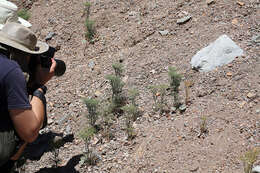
(41, 46)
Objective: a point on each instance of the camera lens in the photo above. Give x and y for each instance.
(60, 67)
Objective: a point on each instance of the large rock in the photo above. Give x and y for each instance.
(218, 53)
(256, 169)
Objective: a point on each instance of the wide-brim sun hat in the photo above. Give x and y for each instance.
(8, 13)
(22, 38)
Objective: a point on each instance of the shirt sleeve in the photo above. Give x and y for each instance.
(17, 97)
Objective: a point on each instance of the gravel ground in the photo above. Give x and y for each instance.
(145, 37)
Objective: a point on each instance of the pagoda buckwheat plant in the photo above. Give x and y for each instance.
(87, 9)
(55, 144)
(118, 68)
(249, 158)
(88, 157)
(117, 92)
(175, 81)
(159, 93)
(131, 112)
(92, 105)
(89, 24)
(132, 95)
(203, 125)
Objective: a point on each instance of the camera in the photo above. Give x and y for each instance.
(45, 61)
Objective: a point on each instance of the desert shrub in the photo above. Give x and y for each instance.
(90, 29)
(118, 68)
(132, 95)
(23, 13)
(90, 158)
(117, 92)
(92, 105)
(203, 125)
(131, 112)
(55, 144)
(249, 158)
(87, 9)
(175, 81)
(159, 93)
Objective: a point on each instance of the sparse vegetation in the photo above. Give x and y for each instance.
(132, 95)
(86, 134)
(89, 24)
(90, 29)
(87, 9)
(159, 93)
(249, 158)
(23, 13)
(175, 81)
(116, 83)
(92, 105)
(203, 125)
(55, 144)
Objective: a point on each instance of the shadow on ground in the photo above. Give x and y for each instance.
(68, 168)
(35, 150)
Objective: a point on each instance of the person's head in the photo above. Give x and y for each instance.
(21, 43)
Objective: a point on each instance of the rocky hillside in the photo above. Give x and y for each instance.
(147, 37)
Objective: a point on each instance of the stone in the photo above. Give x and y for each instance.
(256, 39)
(256, 169)
(91, 65)
(183, 107)
(164, 33)
(220, 52)
(257, 111)
(229, 74)
(98, 93)
(235, 21)
(240, 3)
(251, 95)
(49, 36)
(209, 2)
(184, 19)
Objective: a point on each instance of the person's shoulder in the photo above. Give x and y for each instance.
(6, 65)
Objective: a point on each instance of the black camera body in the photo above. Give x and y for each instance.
(45, 61)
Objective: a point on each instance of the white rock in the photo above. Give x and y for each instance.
(256, 169)
(218, 53)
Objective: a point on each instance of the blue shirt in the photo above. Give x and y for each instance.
(13, 92)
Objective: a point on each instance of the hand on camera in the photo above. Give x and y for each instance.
(43, 75)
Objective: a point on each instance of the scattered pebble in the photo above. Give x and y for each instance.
(49, 36)
(184, 19)
(164, 33)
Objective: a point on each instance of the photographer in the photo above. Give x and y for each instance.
(20, 119)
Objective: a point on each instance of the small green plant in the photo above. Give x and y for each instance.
(118, 68)
(132, 95)
(131, 134)
(107, 122)
(175, 81)
(131, 112)
(159, 93)
(86, 134)
(87, 9)
(23, 13)
(91, 158)
(55, 144)
(249, 158)
(203, 125)
(92, 105)
(90, 29)
(117, 92)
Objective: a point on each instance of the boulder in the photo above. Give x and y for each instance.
(218, 53)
